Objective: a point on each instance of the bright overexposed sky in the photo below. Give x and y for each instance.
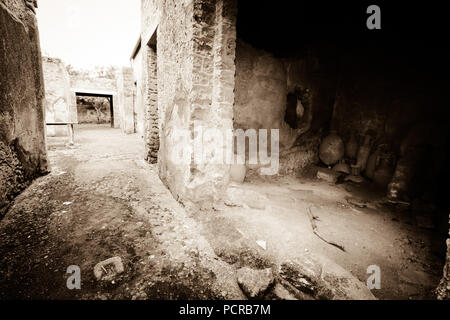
(87, 33)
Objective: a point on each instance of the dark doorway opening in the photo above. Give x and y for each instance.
(95, 108)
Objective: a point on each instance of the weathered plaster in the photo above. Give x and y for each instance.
(125, 87)
(22, 133)
(60, 101)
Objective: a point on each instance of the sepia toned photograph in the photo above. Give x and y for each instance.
(224, 150)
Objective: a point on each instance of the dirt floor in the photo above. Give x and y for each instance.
(355, 217)
(101, 201)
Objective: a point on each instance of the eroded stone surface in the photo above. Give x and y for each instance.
(303, 276)
(108, 269)
(60, 104)
(279, 292)
(254, 283)
(22, 142)
(323, 279)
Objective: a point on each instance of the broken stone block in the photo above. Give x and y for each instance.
(255, 283)
(328, 175)
(279, 292)
(323, 279)
(302, 275)
(107, 270)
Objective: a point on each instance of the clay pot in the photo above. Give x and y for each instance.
(238, 173)
(356, 170)
(363, 154)
(342, 167)
(372, 163)
(399, 188)
(383, 175)
(351, 149)
(332, 149)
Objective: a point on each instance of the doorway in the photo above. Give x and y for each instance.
(95, 108)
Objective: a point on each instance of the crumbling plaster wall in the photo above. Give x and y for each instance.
(263, 82)
(139, 107)
(125, 85)
(94, 83)
(60, 101)
(22, 133)
(402, 102)
(195, 57)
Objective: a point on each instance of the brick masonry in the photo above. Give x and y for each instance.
(151, 125)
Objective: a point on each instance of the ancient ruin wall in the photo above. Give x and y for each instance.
(22, 135)
(125, 86)
(139, 108)
(94, 83)
(150, 98)
(402, 108)
(195, 86)
(60, 101)
(174, 65)
(263, 83)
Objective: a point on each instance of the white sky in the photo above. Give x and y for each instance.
(87, 33)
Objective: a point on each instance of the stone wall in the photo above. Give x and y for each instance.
(139, 111)
(443, 291)
(150, 99)
(195, 57)
(151, 11)
(22, 134)
(263, 83)
(90, 82)
(174, 84)
(261, 93)
(125, 85)
(62, 84)
(401, 104)
(60, 101)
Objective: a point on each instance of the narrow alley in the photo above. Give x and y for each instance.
(101, 200)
